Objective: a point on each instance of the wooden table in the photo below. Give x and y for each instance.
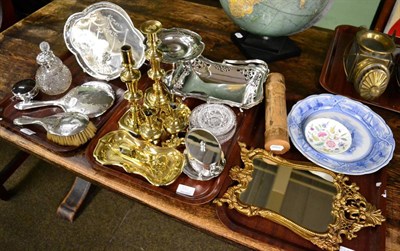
(19, 47)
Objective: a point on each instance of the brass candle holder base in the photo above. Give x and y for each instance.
(155, 98)
(128, 123)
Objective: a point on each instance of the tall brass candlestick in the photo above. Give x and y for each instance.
(130, 76)
(154, 96)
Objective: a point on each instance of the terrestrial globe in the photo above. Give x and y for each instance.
(274, 18)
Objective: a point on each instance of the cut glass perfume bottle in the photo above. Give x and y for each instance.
(52, 76)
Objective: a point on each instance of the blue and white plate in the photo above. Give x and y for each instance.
(372, 142)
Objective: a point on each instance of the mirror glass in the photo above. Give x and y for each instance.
(301, 196)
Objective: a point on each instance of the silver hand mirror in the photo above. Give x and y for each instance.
(92, 99)
(62, 124)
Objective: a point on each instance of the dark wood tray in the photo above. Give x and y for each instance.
(333, 77)
(205, 191)
(8, 112)
(270, 232)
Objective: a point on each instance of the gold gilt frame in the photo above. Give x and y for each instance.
(349, 208)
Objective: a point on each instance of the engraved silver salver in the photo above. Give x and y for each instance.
(95, 36)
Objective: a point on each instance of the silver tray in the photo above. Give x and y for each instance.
(95, 37)
(233, 82)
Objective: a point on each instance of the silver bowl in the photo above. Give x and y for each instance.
(179, 44)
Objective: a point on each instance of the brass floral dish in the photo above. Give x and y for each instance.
(160, 166)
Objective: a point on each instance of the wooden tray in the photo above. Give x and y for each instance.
(333, 77)
(267, 231)
(205, 191)
(8, 112)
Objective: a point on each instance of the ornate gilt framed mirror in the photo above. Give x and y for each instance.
(315, 203)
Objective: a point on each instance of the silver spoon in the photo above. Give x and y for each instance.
(61, 124)
(91, 98)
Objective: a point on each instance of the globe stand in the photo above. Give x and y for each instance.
(268, 49)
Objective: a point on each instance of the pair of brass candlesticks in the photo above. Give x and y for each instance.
(156, 116)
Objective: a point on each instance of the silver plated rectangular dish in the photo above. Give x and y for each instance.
(95, 36)
(232, 82)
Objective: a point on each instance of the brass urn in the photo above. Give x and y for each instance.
(368, 62)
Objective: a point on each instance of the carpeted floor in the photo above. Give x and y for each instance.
(28, 221)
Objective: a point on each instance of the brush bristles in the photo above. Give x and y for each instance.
(76, 139)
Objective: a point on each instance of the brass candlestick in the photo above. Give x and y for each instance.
(151, 129)
(154, 96)
(130, 76)
(155, 117)
(174, 123)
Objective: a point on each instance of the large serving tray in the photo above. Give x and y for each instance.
(205, 191)
(333, 77)
(8, 112)
(371, 238)
(96, 35)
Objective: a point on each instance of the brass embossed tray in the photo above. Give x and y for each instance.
(204, 191)
(159, 165)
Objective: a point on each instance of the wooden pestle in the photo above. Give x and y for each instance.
(276, 129)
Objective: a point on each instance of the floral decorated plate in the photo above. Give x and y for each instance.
(327, 136)
(340, 134)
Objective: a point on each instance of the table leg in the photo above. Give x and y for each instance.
(73, 200)
(4, 195)
(8, 170)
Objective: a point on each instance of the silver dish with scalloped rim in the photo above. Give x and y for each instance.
(95, 36)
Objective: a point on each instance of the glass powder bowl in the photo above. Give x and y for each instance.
(218, 119)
